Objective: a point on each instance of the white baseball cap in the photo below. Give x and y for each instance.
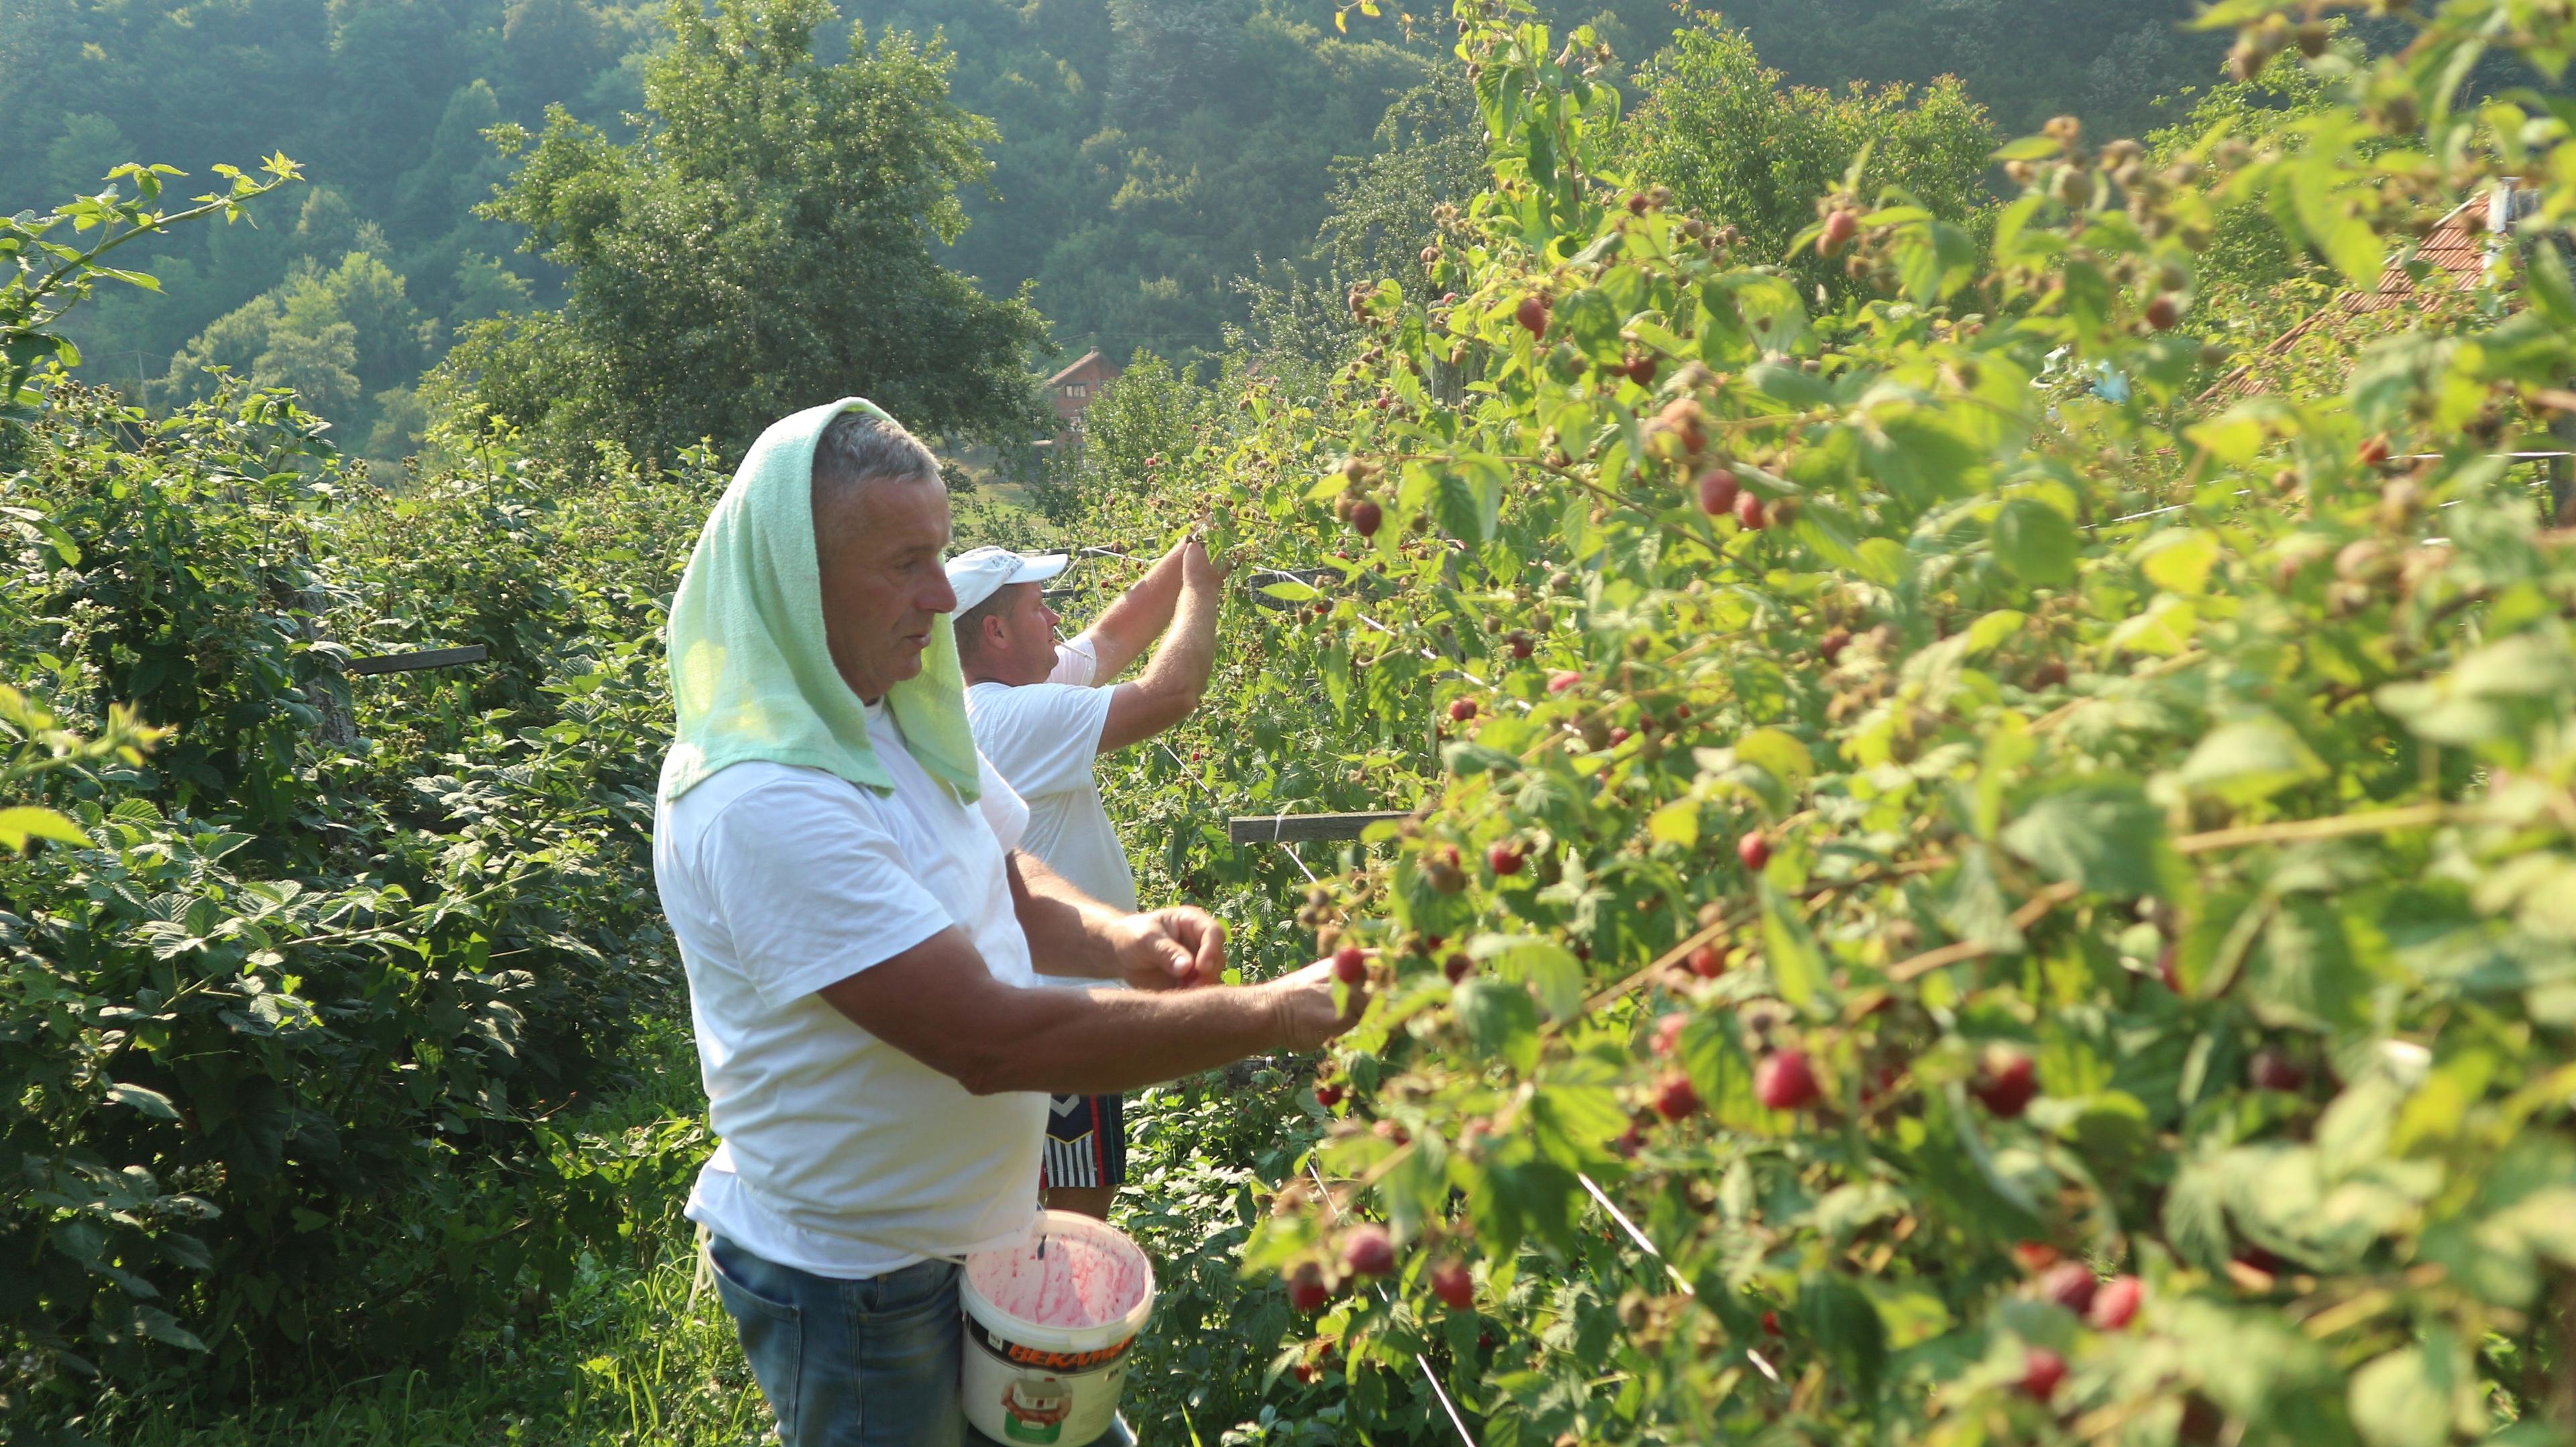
(979, 573)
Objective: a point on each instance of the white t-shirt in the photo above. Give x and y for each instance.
(1045, 738)
(842, 1155)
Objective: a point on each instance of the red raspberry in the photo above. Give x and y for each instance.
(1785, 1081)
(1306, 1289)
(1368, 1251)
(1674, 1098)
(2071, 1285)
(2009, 1083)
(1455, 1288)
(2042, 1371)
(2117, 1302)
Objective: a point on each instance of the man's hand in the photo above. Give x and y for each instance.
(1170, 949)
(1302, 1007)
(1199, 568)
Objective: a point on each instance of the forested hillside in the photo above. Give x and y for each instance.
(354, 287)
(1149, 152)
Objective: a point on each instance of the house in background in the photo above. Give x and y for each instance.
(2458, 251)
(1074, 389)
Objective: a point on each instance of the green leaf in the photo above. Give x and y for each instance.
(1466, 500)
(1291, 591)
(2107, 1126)
(1883, 560)
(2165, 629)
(1590, 319)
(1990, 630)
(1465, 759)
(2302, 972)
(1575, 1111)
(1501, 1020)
(162, 1327)
(2234, 437)
(2105, 838)
(1909, 1315)
(2404, 1399)
(2249, 760)
(2346, 239)
(1787, 384)
(1544, 965)
(1675, 823)
(2195, 1214)
(1789, 947)
(2035, 542)
(1844, 1322)
(1974, 908)
(188, 1251)
(144, 1099)
(2178, 560)
(1778, 752)
(27, 821)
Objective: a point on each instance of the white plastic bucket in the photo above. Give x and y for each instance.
(1048, 1325)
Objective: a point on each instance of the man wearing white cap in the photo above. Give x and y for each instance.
(1044, 712)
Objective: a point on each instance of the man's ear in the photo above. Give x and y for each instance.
(992, 631)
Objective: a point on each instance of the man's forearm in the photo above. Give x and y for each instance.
(937, 1003)
(1181, 665)
(1067, 929)
(1133, 619)
(1096, 1042)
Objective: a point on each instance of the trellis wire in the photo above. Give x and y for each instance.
(1429, 1376)
(1648, 1246)
(1294, 858)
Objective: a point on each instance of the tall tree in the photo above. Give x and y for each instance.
(763, 245)
(1737, 144)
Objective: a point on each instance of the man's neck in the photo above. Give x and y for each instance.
(978, 672)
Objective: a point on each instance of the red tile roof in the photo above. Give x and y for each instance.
(2457, 250)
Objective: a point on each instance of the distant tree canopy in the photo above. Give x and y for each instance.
(1152, 151)
(2245, 247)
(2025, 60)
(382, 101)
(347, 339)
(1147, 155)
(1738, 144)
(764, 245)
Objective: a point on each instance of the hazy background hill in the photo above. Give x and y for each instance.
(1152, 152)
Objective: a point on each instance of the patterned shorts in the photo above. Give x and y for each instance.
(1086, 1141)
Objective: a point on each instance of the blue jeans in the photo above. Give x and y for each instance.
(868, 1363)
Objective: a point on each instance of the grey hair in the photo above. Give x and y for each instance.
(858, 448)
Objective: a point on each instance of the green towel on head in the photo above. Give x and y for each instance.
(750, 674)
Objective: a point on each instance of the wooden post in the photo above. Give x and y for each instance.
(1301, 828)
(411, 662)
(328, 695)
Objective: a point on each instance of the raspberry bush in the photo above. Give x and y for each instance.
(2042, 899)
